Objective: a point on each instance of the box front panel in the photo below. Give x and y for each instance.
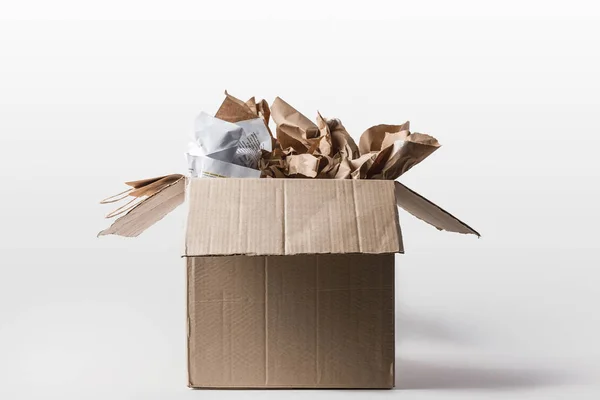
(356, 324)
(226, 321)
(291, 321)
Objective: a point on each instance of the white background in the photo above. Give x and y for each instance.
(511, 91)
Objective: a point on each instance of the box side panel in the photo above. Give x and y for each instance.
(291, 321)
(331, 321)
(226, 321)
(356, 320)
(292, 306)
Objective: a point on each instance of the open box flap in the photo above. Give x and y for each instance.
(157, 198)
(356, 211)
(426, 211)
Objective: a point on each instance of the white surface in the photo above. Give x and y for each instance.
(511, 92)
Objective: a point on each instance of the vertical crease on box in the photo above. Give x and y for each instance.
(209, 234)
(284, 222)
(383, 313)
(393, 313)
(230, 336)
(239, 220)
(190, 263)
(266, 323)
(317, 370)
(397, 219)
(358, 235)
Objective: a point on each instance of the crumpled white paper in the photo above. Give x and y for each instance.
(224, 149)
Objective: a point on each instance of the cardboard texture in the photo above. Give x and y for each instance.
(291, 216)
(159, 196)
(426, 211)
(307, 321)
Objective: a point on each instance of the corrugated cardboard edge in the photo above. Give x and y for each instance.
(393, 365)
(399, 228)
(429, 212)
(149, 211)
(298, 387)
(188, 279)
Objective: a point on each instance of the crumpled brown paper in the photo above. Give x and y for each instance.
(326, 150)
(235, 110)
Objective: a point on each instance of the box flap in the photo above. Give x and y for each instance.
(162, 199)
(425, 210)
(291, 216)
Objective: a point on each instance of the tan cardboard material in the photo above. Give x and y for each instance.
(304, 321)
(291, 216)
(161, 200)
(426, 211)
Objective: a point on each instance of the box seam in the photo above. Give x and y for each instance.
(358, 235)
(266, 292)
(317, 366)
(284, 222)
(189, 271)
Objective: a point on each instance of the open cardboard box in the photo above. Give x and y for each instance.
(290, 281)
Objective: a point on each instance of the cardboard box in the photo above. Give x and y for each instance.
(290, 281)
